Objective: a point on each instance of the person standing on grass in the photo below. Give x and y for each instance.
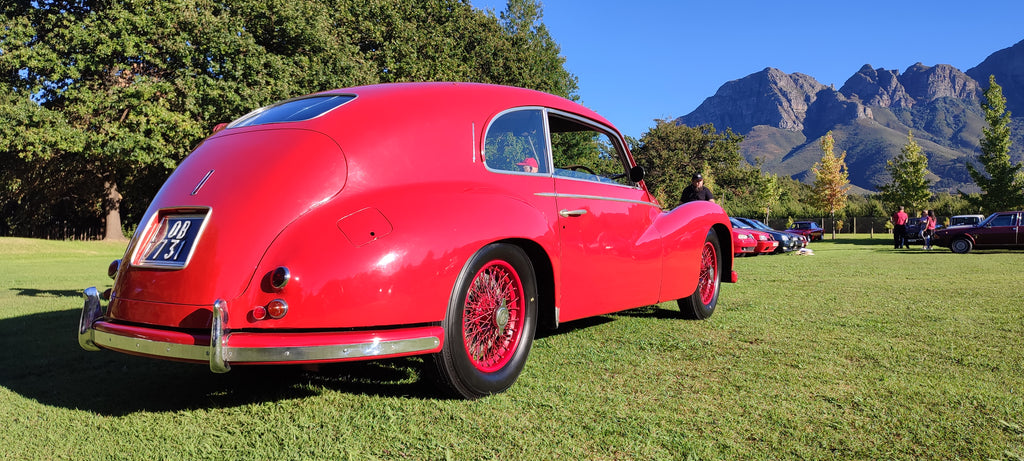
(921, 226)
(899, 228)
(929, 230)
(696, 191)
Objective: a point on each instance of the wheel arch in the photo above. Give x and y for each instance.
(544, 271)
(725, 245)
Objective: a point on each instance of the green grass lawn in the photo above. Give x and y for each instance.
(857, 352)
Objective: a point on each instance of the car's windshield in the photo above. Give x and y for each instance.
(295, 110)
(758, 224)
(737, 223)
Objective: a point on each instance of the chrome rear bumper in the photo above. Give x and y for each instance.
(218, 350)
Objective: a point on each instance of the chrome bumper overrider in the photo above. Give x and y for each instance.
(221, 355)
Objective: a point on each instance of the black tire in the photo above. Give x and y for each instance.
(961, 245)
(499, 328)
(701, 304)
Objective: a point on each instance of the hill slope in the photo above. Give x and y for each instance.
(783, 116)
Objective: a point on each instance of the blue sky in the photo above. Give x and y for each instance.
(642, 60)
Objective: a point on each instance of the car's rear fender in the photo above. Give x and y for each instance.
(392, 256)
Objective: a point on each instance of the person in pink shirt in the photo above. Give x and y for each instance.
(929, 230)
(899, 229)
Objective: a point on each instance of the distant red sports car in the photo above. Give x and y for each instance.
(766, 243)
(743, 242)
(442, 219)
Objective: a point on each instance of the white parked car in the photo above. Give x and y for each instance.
(965, 220)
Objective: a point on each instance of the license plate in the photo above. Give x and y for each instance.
(172, 244)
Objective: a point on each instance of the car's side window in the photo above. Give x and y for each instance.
(583, 151)
(1003, 220)
(515, 142)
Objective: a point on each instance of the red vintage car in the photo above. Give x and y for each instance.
(809, 229)
(442, 219)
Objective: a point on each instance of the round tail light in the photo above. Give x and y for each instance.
(277, 308)
(113, 267)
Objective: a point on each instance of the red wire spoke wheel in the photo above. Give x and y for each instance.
(708, 280)
(492, 320)
(490, 323)
(701, 304)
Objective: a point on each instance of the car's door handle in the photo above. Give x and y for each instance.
(573, 213)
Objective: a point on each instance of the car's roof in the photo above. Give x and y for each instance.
(383, 130)
(455, 95)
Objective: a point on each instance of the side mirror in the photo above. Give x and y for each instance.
(637, 173)
(219, 127)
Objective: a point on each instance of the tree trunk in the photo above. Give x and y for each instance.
(112, 205)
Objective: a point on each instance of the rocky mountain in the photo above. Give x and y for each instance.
(783, 116)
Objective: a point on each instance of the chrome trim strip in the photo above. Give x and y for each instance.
(595, 197)
(339, 351)
(202, 182)
(154, 348)
(218, 336)
(230, 354)
(91, 311)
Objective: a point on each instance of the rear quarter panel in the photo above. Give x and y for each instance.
(405, 273)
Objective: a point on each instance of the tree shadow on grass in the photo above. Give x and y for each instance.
(881, 241)
(43, 361)
(35, 292)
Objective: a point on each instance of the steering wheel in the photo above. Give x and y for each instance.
(580, 167)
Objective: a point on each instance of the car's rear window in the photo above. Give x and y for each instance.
(295, 110)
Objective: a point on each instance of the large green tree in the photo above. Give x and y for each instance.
(768, 192)
(101, 99)
(132, 86)
(672, 153)
(909, 185)
(831, 180)
(1000, 180)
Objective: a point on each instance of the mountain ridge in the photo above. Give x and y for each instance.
(783, 115)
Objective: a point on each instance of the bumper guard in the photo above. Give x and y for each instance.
(94, 334)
